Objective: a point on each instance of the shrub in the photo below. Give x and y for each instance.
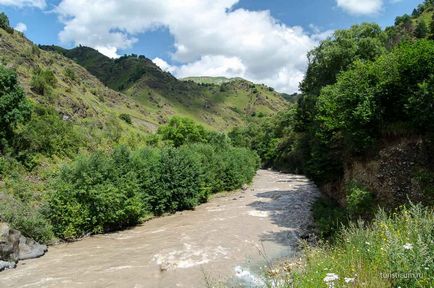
(70, 74)
(105, 192)
(178, 186)
(14, 107)
(46, 134)
(25, 218)
(146, 163)
(95, 194)
(43, 82)
(4, 23)
(329, 217)
(181, 131)
(360, 202)
(126, 118)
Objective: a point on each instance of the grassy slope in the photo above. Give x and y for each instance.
(216, 106)
(84, 99)
(210, 80)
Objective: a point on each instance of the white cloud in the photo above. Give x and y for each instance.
(22, 3)
(21, 27)
(164, 65)
(210, 37)
(361, 7)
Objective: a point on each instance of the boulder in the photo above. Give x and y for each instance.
(9, 243)
(7, 265)
(29, 249)
(15, 247)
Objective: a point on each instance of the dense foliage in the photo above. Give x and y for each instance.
(14, 108)
(43, 82)
(105, 192)
(349, 104)
(4, 23)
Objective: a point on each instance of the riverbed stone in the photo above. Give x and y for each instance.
(29, 249)
(9, 243)
(7, 265)
(15, 247)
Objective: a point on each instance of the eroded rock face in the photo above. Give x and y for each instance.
(390, 175)
(15, 247)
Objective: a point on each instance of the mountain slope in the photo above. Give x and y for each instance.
(216, 106)
(77, 95)
(210, 80)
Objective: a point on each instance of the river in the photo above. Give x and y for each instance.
(224, 241)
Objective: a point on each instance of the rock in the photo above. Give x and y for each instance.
(15, 247)
(29, 249)
(9, 243)
(245, 187)
(7, 265)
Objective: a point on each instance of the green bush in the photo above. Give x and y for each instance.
(239, 165)
(180, 131)
(329, 217)
(95, 194)
(43, 82)
(178, 186)
(70, 74)
(46, 134)
(27, 219)
(105, 192)
(4, 23)
(14, 107)
(126, 118)
(360, 202)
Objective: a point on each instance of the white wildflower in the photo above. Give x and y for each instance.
(330, 279)
(408, 246)
(349, 280)
(367, 243)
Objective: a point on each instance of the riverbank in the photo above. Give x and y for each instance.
(220, 240)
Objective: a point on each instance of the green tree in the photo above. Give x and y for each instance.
(14, 107)
(364, 42)
(4, 23)
(432, 27)
(421, 30)
(43, 82)
(181, 131)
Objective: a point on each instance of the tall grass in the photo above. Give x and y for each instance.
(395, 250)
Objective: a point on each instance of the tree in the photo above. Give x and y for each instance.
(432, 27)
(365, 42)
(14, 107)
(421, 30)
(182, 131)
(4, 23)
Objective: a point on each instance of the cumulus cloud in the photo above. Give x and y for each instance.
(21, 27)
(210, 37)
(358, 7)
(23, 3)
(164, 65)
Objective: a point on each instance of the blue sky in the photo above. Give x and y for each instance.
(181, 44)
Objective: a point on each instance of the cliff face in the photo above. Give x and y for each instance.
(401, 171)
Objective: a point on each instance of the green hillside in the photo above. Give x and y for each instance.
(75, 94)
(218, 107)
(210, 80)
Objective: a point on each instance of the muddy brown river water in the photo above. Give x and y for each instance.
(225, 240)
